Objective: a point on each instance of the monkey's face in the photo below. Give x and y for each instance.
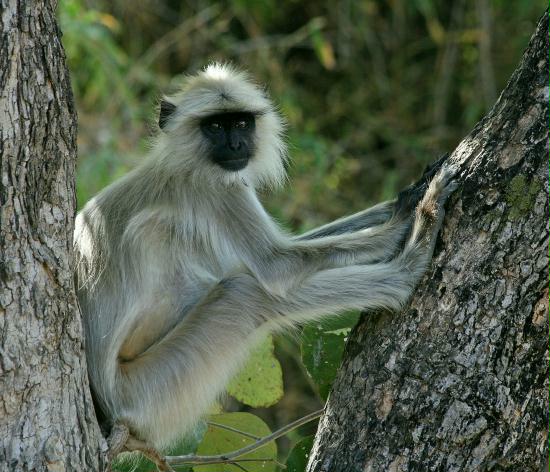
(231, 139)
(222, 129)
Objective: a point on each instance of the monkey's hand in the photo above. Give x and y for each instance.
(409, 198)
(429, 216)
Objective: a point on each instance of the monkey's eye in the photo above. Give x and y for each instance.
(215, 126)
(241, 124)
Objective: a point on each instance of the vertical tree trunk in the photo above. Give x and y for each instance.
(47, 420)
(459, 382)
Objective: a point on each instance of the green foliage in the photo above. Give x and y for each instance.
(110, 90)
(299, 455)
(92, 50)
(260, 381)
(132, 462)
(94, 173)
(322, 348)
(217, 441)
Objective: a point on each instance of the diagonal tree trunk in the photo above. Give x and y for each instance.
(459, 382)
(47, 420)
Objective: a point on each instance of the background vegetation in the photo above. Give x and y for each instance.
(372, 91)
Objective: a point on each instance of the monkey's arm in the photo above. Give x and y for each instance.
(278, 262)
(372, 244)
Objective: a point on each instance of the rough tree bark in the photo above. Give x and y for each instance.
(47, 420)
(459, 382)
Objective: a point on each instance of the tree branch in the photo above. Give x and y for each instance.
(459, 380)
(230, 457)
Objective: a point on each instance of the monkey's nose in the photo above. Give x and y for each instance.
(235, 145)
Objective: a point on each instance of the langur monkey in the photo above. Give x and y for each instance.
(180, 270)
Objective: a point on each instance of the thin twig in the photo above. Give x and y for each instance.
(231, 456)
(234, 430)
(279, 41)
(235, 461)
(240, 466)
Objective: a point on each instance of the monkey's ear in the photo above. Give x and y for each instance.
(166, 110)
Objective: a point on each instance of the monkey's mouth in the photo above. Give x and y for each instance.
(233, 164)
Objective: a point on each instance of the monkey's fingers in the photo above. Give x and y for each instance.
(430, 211)
(431, 169)
(409, 197)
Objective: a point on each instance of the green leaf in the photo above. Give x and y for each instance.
(323, 49)
(132, 462)
(218, 441)
(299, 455)
(322, 347)
(321, 354)
(345, 321)
(260, 382)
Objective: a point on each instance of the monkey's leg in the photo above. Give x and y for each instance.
(168, 387)
(375, 244)
(373, 216)
(403, 205)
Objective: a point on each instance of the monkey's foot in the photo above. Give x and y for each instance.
(117, 440)
(133, 444)
(121, 440)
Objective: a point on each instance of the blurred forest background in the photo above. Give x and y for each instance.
(372, 91)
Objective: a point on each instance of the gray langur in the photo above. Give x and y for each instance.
(180, 270)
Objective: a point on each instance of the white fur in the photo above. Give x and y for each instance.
(180, 270)
(220, 88)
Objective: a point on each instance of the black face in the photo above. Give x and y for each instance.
(231, 136)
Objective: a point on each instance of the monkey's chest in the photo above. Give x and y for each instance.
(204, 261)
(213, 265)
(205, 252)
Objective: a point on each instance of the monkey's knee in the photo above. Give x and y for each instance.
(244, 294)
